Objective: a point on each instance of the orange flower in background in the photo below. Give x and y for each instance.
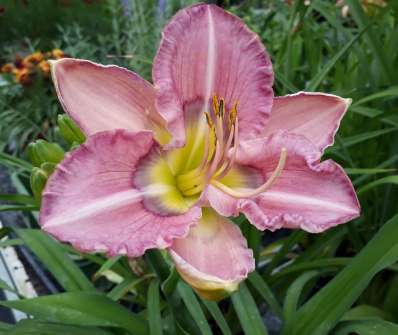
(22, 76)
(57, 54)
(7, 68)
(24, 69)
(33, 59)
(44, 66)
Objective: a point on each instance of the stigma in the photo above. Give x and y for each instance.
(219, 155)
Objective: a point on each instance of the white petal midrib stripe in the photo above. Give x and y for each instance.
(103, 204)
(283, 197)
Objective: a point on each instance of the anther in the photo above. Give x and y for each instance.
(215, 104)
(221, 108)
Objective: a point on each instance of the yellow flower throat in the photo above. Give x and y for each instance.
(179, 176)
(220, 146)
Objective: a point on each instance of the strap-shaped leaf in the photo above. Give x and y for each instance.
(194, 308)
(265, 291)
(332, 301)
(34, 327)
(154, 316)
(247, 311)
(293, 296)
(367, 327)
(217, 316)
(81, 309)
(57, 261)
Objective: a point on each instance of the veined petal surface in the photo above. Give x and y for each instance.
(206, 51)
(309, 194)
(105, 97)
(316, 116)
(91, 201)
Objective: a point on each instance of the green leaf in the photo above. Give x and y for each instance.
(107, 265)
(34, 327)
(128, 284)
(293, 296)
(4, 326)
(193, 306)
(334, 299)
(279, 77)
(372, 39)
(366, 312)
(367, 171)
(367, 327)
(81, 308)
(15, 208)
(57, 261)
(317, 80)
(387, 163)
(217, 316)
(356, 139)
(18, 199)
(389, 92)
(291, 241)
(382, 181)
(10, 242)
(315, 264)
(12, 161)
(170, 284)
(247, 311)
(154, 316)
(265, 291)
(366, 111)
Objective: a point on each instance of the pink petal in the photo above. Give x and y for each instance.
(309, 195)
(317, 116)
(100, 97)
(207, 51)
(90, 200)
(214, 256)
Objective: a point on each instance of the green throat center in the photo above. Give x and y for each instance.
(216, 146)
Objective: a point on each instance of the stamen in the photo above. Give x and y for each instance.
(251, 193)
(216, 160)
(225, 169)
(208, 120)
(232, 114)
(220, 131)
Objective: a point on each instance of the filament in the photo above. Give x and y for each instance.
(253, 192)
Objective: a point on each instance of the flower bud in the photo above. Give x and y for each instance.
(38, 179)
(41, 151)
(69, 130)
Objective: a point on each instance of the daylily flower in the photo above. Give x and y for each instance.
(164, 166)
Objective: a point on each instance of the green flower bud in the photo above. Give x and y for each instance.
(69, 130)
(48, 168)
(38, 179)
(41, 151)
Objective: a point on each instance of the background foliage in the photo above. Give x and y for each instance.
(343, 281)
